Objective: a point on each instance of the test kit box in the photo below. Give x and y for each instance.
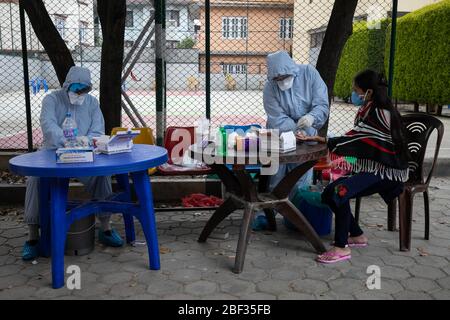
(121, 142)
(74, 155)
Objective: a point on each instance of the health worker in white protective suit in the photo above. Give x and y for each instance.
(295, 99)
(73, 98)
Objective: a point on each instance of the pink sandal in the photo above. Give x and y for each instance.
(332, 257)
(355, 244)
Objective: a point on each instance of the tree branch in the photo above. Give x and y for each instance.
(48, 35)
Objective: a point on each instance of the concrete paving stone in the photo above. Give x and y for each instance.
(372, 295)
(296, 296)
(219, 296)
(130, 256)
(178, 296)
(164, 287)
(237, 287)
(322, 272)
(9, 270)
(444, 283)
(4, 250)
(433, 261)
(141, 297)
(333, 296)
(274, 287)
(11, 281)
(441, 295)
(127, 289)
(267, 263)
(47, 292)
(411, 295)
(17, 243)
(309, 286)
(103, 268)
(398, 261)
(357, 273)
(177, 245)
(420, 285)
(149, 276)
(365, 260)
(96, 257)
(347, 286)
(254, 275)
(395, 273)
(14, 233)
(201, 288)
(187, 255)
(376, 251)
(258, 296)
(179, 231)
(92, 290)
(115, 277)
(427, 272)
(286, 274)
(220, 275)
(16, 293)
(186, 275)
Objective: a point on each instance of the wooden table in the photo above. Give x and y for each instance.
(243, 192)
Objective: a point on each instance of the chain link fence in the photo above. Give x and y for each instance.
(242, 33)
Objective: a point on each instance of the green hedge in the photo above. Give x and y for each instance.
(422, 57)
(364, 49)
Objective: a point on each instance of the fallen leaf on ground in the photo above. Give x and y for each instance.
(163, 250)
(422, 252)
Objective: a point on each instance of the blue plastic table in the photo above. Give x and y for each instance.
(57, 216)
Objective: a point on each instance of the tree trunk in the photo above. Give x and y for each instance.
(48, 35)
(339, 29)
(112, 19)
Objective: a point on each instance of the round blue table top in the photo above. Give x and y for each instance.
(43, 163)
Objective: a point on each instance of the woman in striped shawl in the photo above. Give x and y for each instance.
(374, 150)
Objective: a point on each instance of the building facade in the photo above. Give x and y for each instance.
(244, 32)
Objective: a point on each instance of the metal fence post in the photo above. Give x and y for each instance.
(159, 68)
(26, 77)
(392, 48)
(208, 58)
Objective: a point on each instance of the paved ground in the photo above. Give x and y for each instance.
(278, 266)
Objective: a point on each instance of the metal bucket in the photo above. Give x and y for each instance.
(81, 237)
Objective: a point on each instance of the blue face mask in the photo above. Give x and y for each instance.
(356, 99)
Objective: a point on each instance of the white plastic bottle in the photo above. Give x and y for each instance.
(70, 131)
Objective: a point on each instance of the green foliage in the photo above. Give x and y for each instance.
(422, 55)
(363, 50)
(187, 43)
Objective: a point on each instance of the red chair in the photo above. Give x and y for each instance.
(177, 141)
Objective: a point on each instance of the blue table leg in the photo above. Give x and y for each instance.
(58, 191)
(124, 185)
(143, 189)
(44, 214)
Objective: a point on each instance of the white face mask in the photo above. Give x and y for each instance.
(286, 83)
(76, 99)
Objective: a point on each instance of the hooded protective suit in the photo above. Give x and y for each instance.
(307, 96)
(55, 106)
(90, 122)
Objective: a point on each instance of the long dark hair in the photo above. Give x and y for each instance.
(369, 79)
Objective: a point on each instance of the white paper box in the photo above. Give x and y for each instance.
(74, 155)
(121, 142)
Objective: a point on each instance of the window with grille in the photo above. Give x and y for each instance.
(234, 27)
(83, 31)
(317, 39)
(234, 68)
(129, 19)
(173, 18)
(286, 28)
(60, 24)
